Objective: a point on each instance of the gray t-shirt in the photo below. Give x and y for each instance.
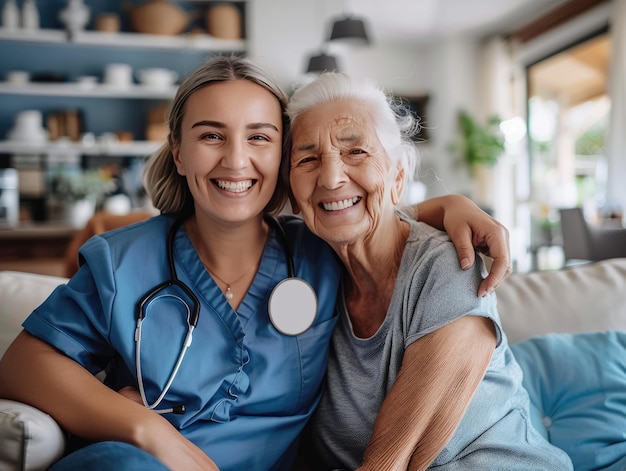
(430, 292)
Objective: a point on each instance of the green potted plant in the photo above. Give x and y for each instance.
(479, 145)
(79, 192)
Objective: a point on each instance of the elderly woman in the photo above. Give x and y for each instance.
(421, 373)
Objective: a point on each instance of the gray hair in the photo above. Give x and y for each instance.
(394, 123)
(168, 190)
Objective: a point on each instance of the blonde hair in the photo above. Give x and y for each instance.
(167, 189)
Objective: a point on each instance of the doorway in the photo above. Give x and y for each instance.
(568, 115)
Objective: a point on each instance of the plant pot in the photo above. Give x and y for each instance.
(78, 213)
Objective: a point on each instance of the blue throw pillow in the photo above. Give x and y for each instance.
(577, 389)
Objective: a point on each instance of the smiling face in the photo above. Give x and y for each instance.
(230, 149)
(341, 176)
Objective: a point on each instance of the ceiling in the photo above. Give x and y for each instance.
(402, 20)
(575, 75)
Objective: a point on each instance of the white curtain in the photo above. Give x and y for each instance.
(496, 97)
(616, 138)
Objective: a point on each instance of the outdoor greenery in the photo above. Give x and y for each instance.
(479, 145)
(592, 141)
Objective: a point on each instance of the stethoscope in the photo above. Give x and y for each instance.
(292, 309)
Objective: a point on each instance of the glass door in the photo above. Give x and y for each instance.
(568, 111)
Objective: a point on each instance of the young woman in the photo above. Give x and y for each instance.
(181, 310)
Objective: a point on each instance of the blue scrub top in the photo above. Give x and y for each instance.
(248, 389)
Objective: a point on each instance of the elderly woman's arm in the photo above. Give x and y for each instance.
(439, 376)
(469, 227)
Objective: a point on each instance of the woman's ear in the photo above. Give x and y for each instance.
(175, 150)
(398, 185)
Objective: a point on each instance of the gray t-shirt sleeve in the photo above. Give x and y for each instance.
(436, 290)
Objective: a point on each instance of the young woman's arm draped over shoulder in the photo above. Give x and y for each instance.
(439, 375)
(35, 373)
(469, 227)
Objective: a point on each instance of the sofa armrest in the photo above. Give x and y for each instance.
(29, 438)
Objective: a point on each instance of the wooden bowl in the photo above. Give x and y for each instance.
(159, 17)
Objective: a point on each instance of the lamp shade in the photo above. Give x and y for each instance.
(349, 28)
(322, 63)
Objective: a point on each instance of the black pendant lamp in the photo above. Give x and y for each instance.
(349, 28)
(322, 63)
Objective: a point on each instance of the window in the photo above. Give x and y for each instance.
(568, 110)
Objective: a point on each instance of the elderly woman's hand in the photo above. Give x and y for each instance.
(469, 228)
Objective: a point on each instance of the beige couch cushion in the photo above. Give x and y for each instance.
(20, 293)
(584, 298)
(29, 438)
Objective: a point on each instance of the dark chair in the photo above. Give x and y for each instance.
(583, 241)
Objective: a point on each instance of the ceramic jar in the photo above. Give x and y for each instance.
(224, 21)
(28, 127)
(118, 75)
(157, 77)
(30, 15)
(10, 15)
(159, 17)
(108, 22)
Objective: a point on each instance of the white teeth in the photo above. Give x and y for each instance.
(235, 187)
(339, 205)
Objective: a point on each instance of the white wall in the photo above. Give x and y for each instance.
(283, 34)
(452, 87)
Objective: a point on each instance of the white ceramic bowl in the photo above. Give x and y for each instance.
(157, 77)
(87, 81)
(18, 77)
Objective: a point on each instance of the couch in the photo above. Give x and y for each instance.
(567, 329)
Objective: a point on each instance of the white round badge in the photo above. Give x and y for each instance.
(293, 306)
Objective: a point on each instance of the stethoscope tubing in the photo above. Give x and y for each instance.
(192, 313)
(186, 345)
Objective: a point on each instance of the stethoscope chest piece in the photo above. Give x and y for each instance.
(293, 306)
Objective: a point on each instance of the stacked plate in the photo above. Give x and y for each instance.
(28, 127)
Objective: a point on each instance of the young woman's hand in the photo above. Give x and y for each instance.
(180, 453)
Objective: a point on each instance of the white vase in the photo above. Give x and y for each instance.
(10, 15)
(79, 212)
(30, 15)
(75, 16)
